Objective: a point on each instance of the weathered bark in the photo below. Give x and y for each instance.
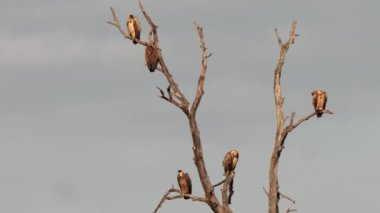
(213, 201)
(281, 133)
(211, 198)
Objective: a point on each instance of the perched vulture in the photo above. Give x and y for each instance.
(134, 28)
(151, 57)
(184, 183)
(230, 161)
(319, 101)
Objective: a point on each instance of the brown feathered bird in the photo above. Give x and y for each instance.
(151, 57)
(230, 161)
(319, 101)
(134, 28)
(184, 183)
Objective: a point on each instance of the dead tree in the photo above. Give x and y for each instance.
(274, 194)
(175, 96)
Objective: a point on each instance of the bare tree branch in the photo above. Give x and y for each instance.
(202, 74)
(282, 195)
(278, 37)
(197, 146)
(164, 68)
(292, 126)
(274, 195)
(265, 191)
(180, 195)
(170, 98)
(162, 94)
(220, 183)
(147, 17)
(290, 210)
(163, 199)
(288, 198)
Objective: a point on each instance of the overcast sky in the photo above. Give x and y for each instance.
(83, 131)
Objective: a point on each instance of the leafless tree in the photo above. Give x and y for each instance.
(274, 194)
(174, 95)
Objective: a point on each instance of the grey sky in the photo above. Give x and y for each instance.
(82, 128)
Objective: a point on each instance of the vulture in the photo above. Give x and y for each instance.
(134, 28)
(151, 57)
(230, 161)
(184, 183)
(319, 101)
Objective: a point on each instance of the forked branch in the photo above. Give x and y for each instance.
(274, 194)
(292, 126)
(169, 98)
(176, 97)
(179, 195)
(164, 69)
(202, 74)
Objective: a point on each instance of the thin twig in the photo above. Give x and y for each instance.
(164, 197)
(170, 98)
(220, 183)
(162, 94)
(290, 210)
(288, 198)
(292, 126)
(169, 91)
(278, 37)
(292, 118)
(265, 191)
(182, 102)
(202, 74)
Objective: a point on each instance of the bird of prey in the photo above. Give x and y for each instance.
(230, 161)
(151, 57)
(319, 101)
(184, 183)
(134, 28)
